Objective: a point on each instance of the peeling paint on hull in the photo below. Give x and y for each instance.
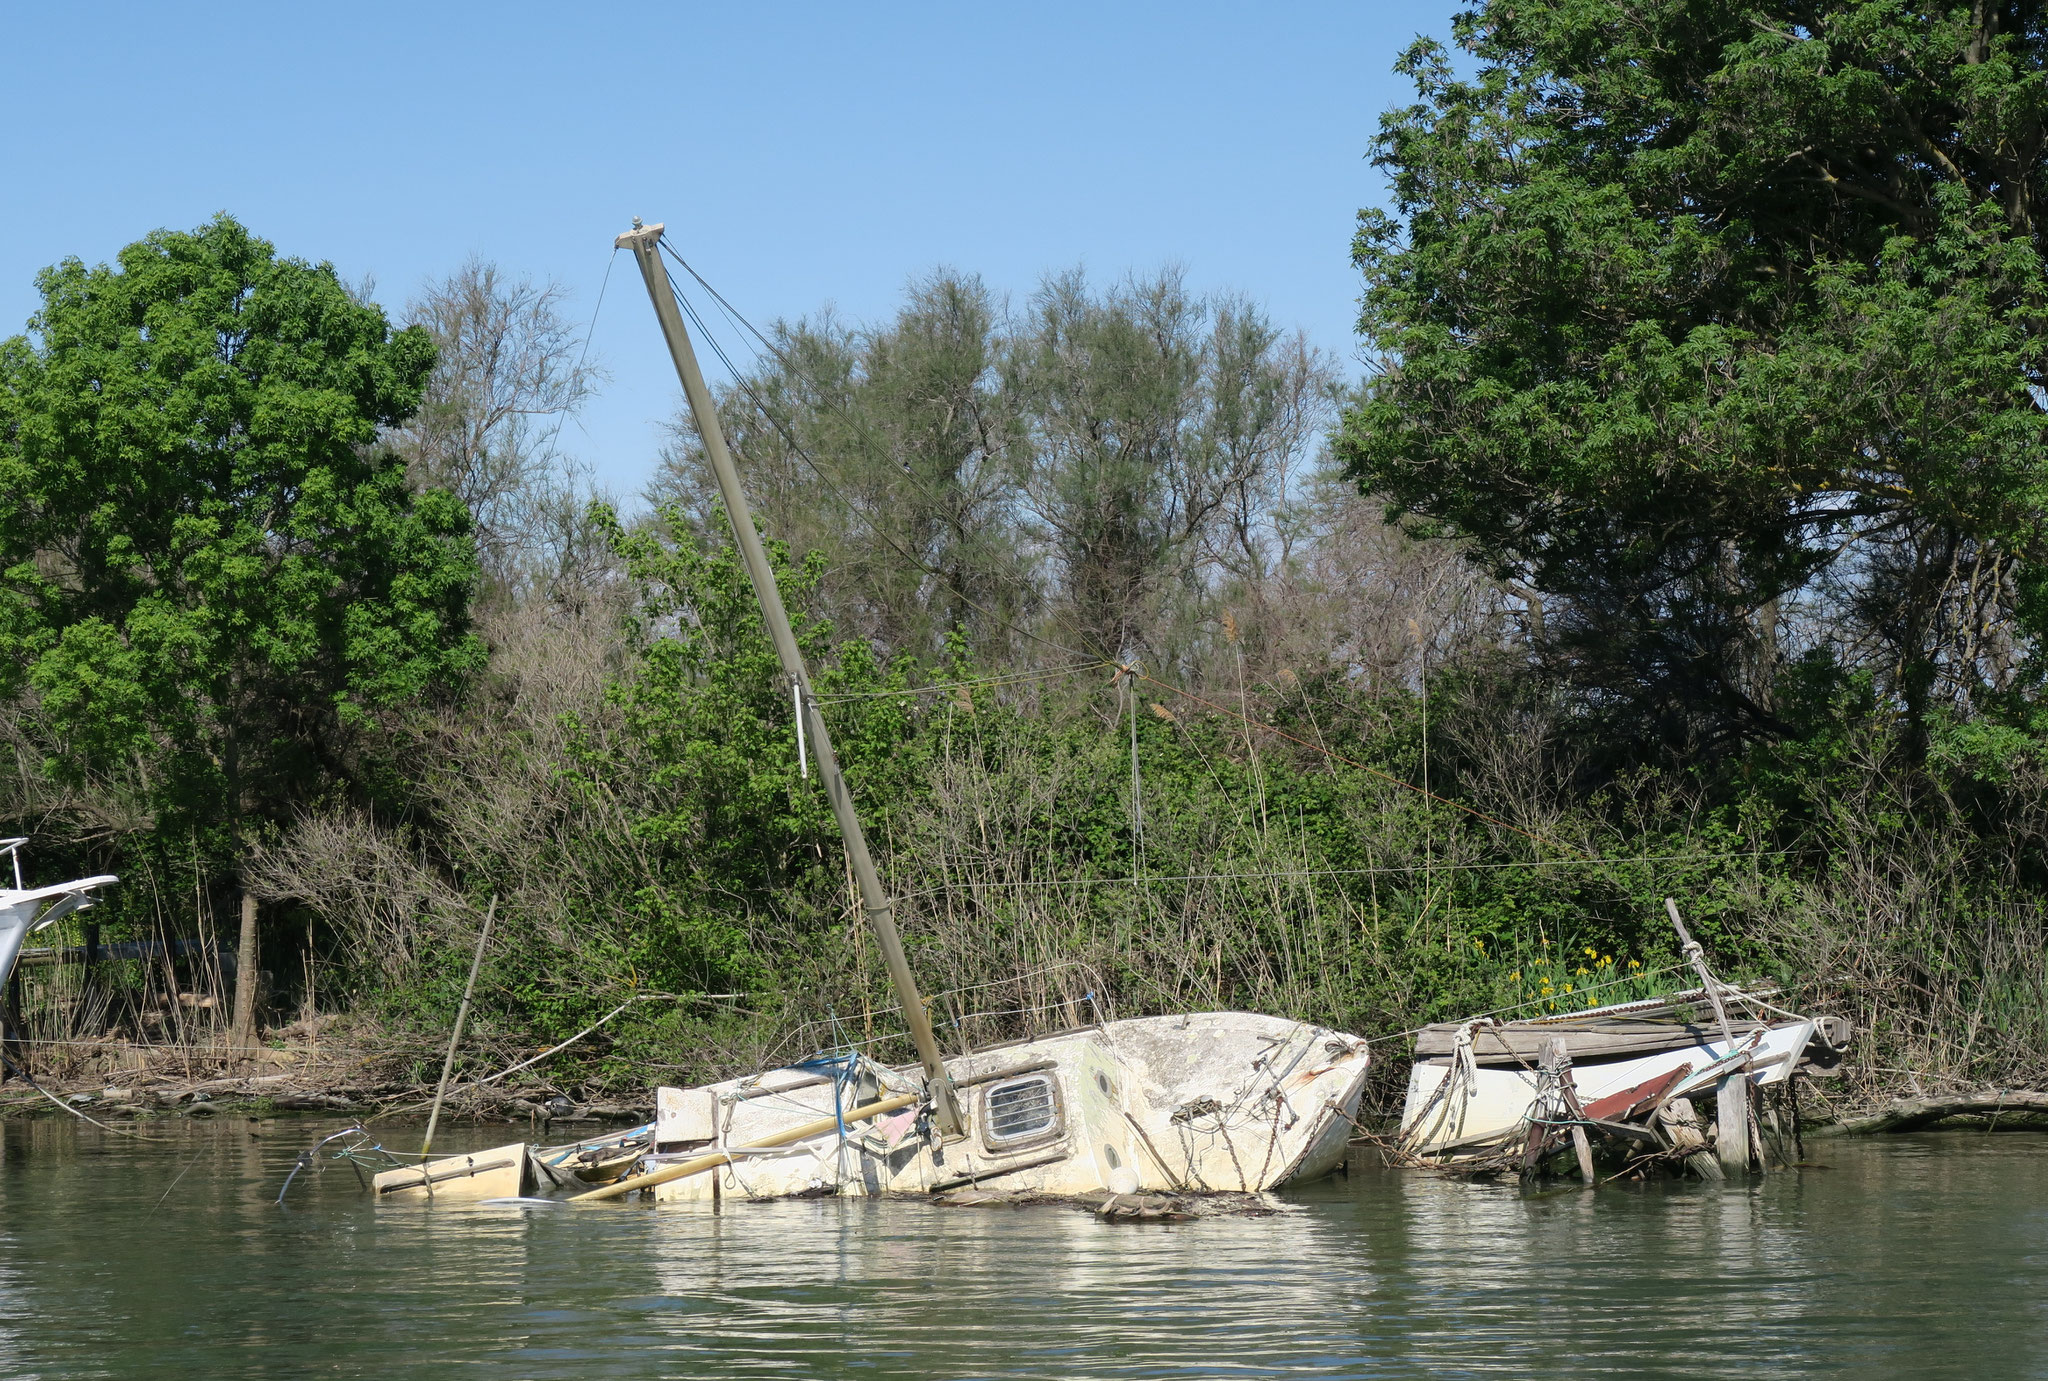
(1214, 1101)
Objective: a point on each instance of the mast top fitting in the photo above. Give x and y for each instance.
(639, 233)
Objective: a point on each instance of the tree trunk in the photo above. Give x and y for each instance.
(1910, 1114)
(242, 1033)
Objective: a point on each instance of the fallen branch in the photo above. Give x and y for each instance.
(1910, 1114)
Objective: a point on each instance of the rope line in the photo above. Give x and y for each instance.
(1010, 678)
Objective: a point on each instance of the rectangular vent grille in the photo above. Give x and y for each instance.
(1021, 1108)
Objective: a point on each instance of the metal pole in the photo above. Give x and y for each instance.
(1731, 1095)
(1698, 961)
(461, 1015)
(645, 242)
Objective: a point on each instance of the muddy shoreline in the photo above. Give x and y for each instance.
(365, 1082)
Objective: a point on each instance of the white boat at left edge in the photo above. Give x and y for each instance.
(25, 910)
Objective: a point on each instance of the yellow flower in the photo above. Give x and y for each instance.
(1606, 961)
(1592, 953)
(1581, 971)
(1634, 964)
(1567, 987)
(1515, 977)
(1589, 999)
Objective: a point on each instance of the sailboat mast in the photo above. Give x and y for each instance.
(645, 242)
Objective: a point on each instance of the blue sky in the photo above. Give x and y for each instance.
(801, 155)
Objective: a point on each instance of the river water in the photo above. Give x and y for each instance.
(1920, 1256)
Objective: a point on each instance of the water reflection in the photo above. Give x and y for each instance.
(1922, 1256)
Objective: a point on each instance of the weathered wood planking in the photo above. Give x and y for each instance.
(503, 1172)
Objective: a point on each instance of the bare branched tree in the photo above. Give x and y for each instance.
(891, 449)
(511, 371)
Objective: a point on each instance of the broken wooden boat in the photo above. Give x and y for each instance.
(1210, 1102)
(1476, 1083)
(1487, 1093)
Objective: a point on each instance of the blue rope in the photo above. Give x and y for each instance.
(844, 1069)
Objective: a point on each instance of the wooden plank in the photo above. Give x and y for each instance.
(1631, 1101)
(1584, 1149)
(502, 1172)
(1592, 1041)
(1731, 1121)
(1632, 1131)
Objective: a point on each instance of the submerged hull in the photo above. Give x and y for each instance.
(1216, 1101)
(502, 1172)
(1457, 1105)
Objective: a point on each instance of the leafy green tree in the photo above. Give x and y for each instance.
(1718, 328)
(734, 830)
(212, 571)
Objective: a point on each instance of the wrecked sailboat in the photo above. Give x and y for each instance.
(1204, 1103)
(1476, 1084)
(1214, 1102)
(1487, 1093)
(1207, 1103)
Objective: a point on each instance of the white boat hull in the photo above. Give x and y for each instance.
(1217, 1101)
(1491, 1103)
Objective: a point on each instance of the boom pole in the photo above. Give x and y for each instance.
(645, 242)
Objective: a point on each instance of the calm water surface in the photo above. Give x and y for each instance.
(1920, 1256)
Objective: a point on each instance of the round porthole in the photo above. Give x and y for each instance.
(1102, 1082)
(1110, 1156)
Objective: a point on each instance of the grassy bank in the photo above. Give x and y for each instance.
(1373, 859)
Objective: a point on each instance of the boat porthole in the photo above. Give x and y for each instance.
(1102, 1082)
(1109, 1154)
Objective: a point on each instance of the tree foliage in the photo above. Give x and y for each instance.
(1720, 329)
(212, 571)
(1097, 466)
(733, 827)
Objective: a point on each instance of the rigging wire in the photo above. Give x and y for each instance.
(583, 355)
(1008, 679)
(591, 330)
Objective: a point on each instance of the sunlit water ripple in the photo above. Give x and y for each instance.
(1919, 1256)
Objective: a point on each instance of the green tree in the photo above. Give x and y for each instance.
(1718, 328)
(1107, 459)
(913, 436)
(733, 829)
(1162, 423)
(212, 570)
